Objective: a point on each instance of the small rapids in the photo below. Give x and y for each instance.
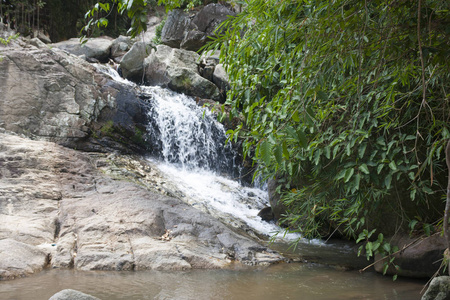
(189, 147)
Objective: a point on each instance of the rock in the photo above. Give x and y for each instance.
(132, 63)
(52, 95)
(178, 70)
(418, 260)
(180, 32)
(97, 222)
(193, 40)
(43, 37)
(120, 46)
(18, 259)
(221, 80)
(96, 48)
(203, 25)
(278, 208)
(266, 214)
(38, 43)
(439, 289)
(175, 28)
(210, 17)
(69, 294)
(190, 83)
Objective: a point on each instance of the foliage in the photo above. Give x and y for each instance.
(135, 10)
(158, 31)
(9, 39)
(346, 101)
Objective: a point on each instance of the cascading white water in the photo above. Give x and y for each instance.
(184, 133)
(191, 144)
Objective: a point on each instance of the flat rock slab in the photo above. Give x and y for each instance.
(57, 209)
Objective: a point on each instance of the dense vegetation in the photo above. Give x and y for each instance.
(347, 104)
(60, 19)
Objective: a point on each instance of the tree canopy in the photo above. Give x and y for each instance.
(347, 103)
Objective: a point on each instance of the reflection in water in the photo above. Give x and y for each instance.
(283, 281)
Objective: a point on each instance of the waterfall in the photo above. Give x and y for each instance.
(183, 133)
(189, 147)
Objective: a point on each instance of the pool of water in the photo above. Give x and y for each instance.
(282, 281)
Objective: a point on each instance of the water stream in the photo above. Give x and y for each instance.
(189, 148)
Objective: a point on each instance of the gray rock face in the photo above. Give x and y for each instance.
(178, 70)
(175, 28)
(59, 209)
(95, 49)
(439, 289)
(181, 32)
(69, 294)
(120, 47)
(52, 95)
(220, 79)
(132, 63)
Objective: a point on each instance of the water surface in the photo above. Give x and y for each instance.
(283, 281)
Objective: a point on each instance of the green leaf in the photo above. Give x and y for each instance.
(364, 169)
(302, 139)
(278, 154)
(285, 151)
(265, 151)
(348, 174)
(393, 166)
(379, 168)
(387, 181)
(295, 117)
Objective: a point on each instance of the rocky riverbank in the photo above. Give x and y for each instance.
(60, 209)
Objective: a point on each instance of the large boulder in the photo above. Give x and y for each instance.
(439, 289)
(52, 95)
(94, 49)
(63, 208)
(192, 33)
(178, 70)
(418, 257)
(132, 63)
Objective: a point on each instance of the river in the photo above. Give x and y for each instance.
(284, 281)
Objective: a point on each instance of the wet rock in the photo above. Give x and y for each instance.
(266, 214)
(95, 48)
(69, 294)
(419, 257)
